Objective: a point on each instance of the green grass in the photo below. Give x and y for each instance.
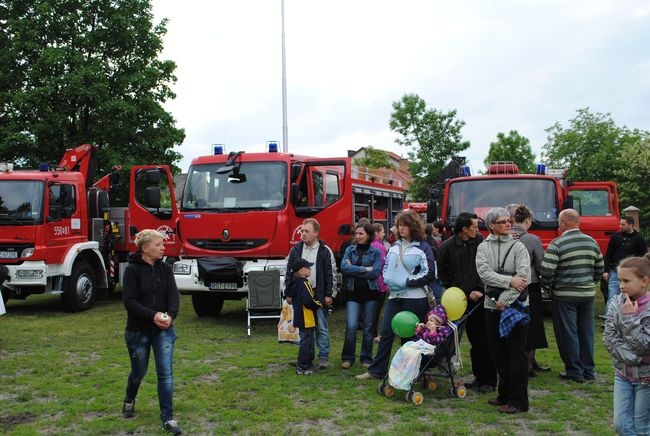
(65, 373)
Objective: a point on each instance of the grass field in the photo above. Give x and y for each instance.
(65, 373)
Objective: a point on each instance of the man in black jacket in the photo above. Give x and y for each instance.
(457, 267)
(313, 250)
(628, 242)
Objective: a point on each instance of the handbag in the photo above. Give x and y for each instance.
(431, 299)
(494, 291)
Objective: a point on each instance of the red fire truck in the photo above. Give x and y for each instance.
(546, 193)
(243, 212)
(57, 233)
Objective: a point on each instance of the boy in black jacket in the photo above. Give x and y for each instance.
(305, 305)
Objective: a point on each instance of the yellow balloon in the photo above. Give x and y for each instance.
(454, 301)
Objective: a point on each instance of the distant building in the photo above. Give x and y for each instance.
(399, 175)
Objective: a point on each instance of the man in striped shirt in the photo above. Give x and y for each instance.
(571, 266)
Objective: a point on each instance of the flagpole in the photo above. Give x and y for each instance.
(285, 129)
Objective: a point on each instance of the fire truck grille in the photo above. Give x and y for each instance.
(231, 245)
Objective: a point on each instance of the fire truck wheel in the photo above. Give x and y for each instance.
(79, 290)
(207, 303)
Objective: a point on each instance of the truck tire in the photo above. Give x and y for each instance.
(206, 304)
(79, 290)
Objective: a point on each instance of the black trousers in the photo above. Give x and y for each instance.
(483, 367)
(511, 359)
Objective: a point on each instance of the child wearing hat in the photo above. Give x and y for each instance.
(305, 305)
(436, 330)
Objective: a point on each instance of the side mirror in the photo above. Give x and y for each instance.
(432, 211)
(294, 194)
(152, 197)
(568, 202)
(435, 193)
(296, 169)
(152, 177)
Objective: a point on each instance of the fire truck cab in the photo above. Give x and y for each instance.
(243, 211)
(546, 193)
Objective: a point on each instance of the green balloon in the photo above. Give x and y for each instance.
(404, 323)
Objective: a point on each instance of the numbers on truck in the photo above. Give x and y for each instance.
(61, 230)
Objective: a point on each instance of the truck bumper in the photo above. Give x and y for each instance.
(186, 273)
(27, 275)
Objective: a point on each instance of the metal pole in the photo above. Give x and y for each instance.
(285, 129)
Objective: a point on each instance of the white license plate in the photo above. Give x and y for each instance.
(8, 255)
(223, 286)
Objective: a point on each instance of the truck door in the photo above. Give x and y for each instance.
(597, 204)
(323, 191)
(149, 183)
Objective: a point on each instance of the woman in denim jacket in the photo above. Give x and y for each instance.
(361, 265)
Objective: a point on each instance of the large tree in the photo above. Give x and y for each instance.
(593, 147)
(431, 137)
(84, 71)
(374, 158)
(587, 148)
(513, 148)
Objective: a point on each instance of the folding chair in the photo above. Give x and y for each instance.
(264, 298)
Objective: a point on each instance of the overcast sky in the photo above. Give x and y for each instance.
(503, 65)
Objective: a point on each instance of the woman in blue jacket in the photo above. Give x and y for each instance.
(361, 265)
(409, 266)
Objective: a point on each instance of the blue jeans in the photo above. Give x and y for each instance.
(419, 306)
(353, 310)
(306, 350)
(631, 407)
(322, 334)
(613, 287)
(574, 332)
(139, 345)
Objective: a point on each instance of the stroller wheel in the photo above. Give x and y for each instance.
(414, 397)
(385, 390)
(459, 391)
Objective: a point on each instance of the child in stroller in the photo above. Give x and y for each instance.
(435, 345)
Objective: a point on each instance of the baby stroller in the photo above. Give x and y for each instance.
(442, 360)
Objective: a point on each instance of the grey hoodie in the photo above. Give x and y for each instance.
(489, 257)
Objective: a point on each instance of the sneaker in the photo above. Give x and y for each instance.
(172, 426)
(301, 371)
(323, 363)
(365, 376)
(128, 409)
(346, 364)
(366, 364)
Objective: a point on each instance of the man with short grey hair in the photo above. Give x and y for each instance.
(570, 267)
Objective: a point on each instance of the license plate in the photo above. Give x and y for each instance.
(223, 286)
(8, 255)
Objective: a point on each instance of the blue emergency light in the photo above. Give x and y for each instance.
(43, 166)
(218, 149)
(465, 171)
(272, 146)
(540, 169)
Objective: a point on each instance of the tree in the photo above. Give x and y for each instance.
(633, 173)
(587, 148)
(84, 71)
(514, 148)
(432, 138)
(374, 158)
(593, 147)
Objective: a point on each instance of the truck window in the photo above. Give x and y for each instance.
(264, 188)
(165, 192)
(480, 195)
(21, 202)
(592, 202)
(59, 194)
(332, 190)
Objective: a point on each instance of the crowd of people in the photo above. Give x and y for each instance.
(503, 277)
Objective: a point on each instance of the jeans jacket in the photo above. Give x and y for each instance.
(372, 257)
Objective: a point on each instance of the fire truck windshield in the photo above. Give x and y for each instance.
(263, 187)
(480, 195)
(21, 202)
